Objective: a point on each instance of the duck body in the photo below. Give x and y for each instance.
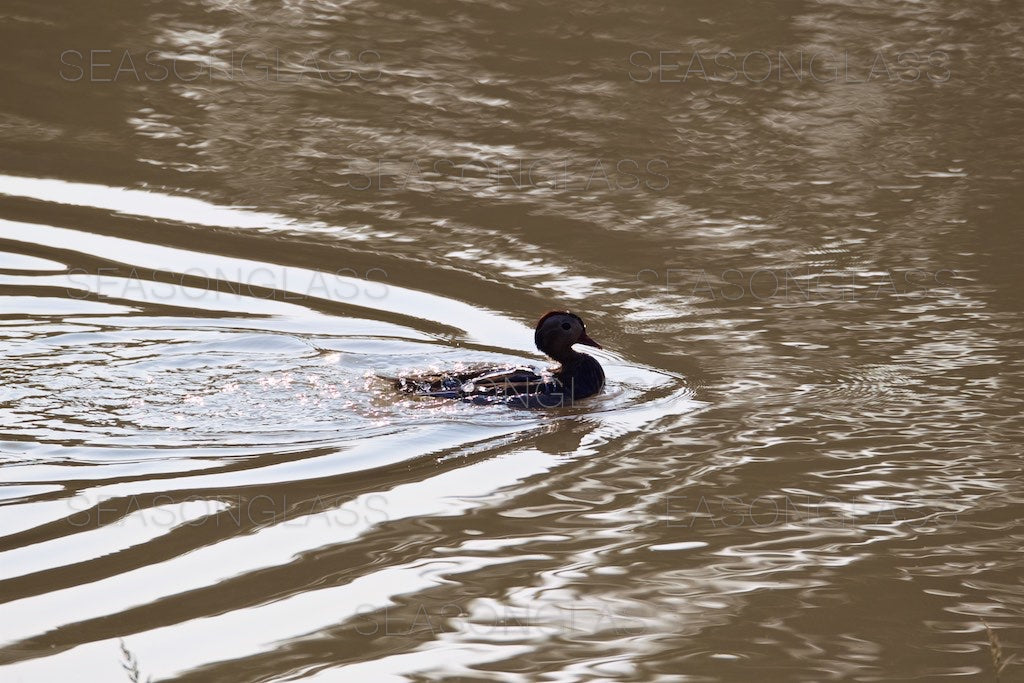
(578, 376)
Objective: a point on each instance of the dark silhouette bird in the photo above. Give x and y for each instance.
(578, 375)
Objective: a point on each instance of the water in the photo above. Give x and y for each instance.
(215, 251)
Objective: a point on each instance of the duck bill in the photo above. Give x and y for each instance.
(585, 339)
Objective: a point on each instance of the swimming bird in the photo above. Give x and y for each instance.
(578, 375)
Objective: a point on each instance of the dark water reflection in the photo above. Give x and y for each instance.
(807, 462)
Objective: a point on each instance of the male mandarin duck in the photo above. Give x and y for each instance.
(578, 375)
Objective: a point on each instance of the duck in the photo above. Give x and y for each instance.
(577, 376)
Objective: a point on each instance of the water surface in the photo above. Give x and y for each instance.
(225, 224)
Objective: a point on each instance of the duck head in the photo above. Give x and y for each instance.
(557, 331)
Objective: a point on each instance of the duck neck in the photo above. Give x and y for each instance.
(569, 358)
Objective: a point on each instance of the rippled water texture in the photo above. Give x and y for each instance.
(225, 225)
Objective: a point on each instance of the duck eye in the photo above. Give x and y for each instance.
(566, 326)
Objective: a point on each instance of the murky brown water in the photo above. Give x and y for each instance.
(224, 223)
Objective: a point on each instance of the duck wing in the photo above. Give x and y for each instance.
(481, 381)
(505, 382)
